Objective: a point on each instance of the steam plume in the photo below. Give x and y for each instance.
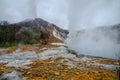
(87, 14)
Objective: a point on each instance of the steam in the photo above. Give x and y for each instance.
(51, 10)
(32, 9)
(84, 17)
(17, 10)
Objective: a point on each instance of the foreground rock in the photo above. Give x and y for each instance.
(54, 61)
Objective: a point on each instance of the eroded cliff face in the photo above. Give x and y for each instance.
(48, 31)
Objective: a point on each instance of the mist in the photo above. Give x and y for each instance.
(50, 10)
(17, 10)
(85, 37)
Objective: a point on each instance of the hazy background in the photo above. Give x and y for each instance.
(93, 13)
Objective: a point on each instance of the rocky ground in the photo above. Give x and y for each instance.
(54, 62)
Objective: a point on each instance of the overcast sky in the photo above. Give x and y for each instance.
(53, 11)
(63, 13)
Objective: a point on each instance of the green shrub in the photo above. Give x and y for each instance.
(8, 44)
(28, 36)
(11, 35)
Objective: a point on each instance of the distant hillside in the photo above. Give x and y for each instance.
(32, 31)
(112, 31)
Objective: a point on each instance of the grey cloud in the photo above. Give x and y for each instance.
(53, 11)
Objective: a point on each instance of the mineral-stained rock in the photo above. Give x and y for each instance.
(45, 69)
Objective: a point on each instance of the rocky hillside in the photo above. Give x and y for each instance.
(54, 62)
(112, 31)
(32, 31)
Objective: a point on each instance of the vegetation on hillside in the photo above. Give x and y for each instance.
(13, 35)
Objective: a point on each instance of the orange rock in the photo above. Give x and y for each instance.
(9, 50)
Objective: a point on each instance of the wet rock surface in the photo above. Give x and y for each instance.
(54, 61)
